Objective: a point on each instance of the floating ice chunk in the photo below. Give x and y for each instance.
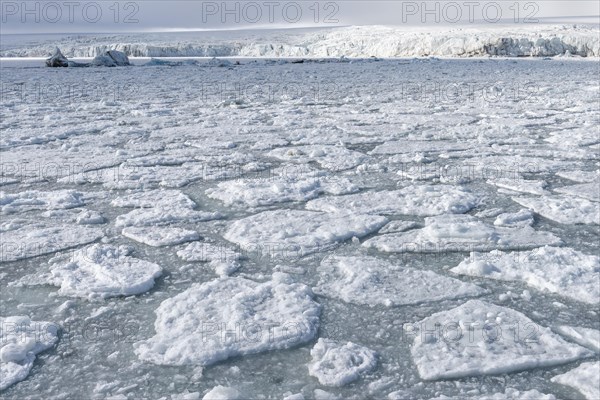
(563, 209)
(509, 394)
(590, 191)
(295, 396)
(36, 200)
(292, 230)
(57, 59)
(469, 343)
(34, 240)
(372, 281)
(520, 185)
(163, 216)
(423, 200)
(223, 259)
(398, 226)
(332, 158)
(580, 176)
(102, 271)
(154, 198)
(257, 192)
(111, 58)
(186, 395)
(337, 364)
(21, 339)
(585, 337)
(160, 236)
(585, 379)
(418, 146)
(520, 218)
(563, 271)
(89, 217)
(223, 393)
(446, 233)
(193, 327)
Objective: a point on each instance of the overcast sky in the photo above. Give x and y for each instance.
(70, 16)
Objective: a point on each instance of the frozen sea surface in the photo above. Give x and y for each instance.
(275, 230)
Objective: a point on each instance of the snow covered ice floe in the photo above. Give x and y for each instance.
(590, 191)
(585, 379)
(509, 394)
(160, 236)
(585, 337)
(257, 192)
(223, 393)
(561, 270)
(299, 230)
(157, 207)
(36, 239)
(337, 364)
(563, 209)
(447, 233)
(520, 185)
(372, 281)
(101, 271)
(223, 259)
(195, 326)
(35, 200)
(422, 200)
(520, 218)
(468, 342)
(331, 158)
(20, 340)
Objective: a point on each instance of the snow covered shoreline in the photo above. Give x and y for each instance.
(351, 42)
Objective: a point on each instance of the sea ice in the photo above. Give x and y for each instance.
(337, 364)
(422, 200)
(102, 271)
(331, 158)
(21, 339)
(520, 218)
(590, 191)
(447, 233)
(520, 185)
(585, 379)
(563, 209)
(160, 236)
(34, 240)
(559, 270)
(228, 317)
(35, 200)
(293, 230)
(479, 338)
(585, 337)
(372, 281)
(223, 393)
(509, 394)
(223, 259)
(257, 192)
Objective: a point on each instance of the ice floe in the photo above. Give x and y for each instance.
(422, 200)
(257, 192)
(520, 185)
(559, 270)
(20, 340)
(331, 158)
(337, 364)
(35, 200)
(590, 191)
(299, 230)
(448, 233)
(479, 338)
(229, 317)
(509, 394)
(373, 281)
(563, 209)
(520, 218)
(223, 393)
(585, 337)
(101, 271)
(160, 236)
(223, 259)
(585, 379)
(36, 239)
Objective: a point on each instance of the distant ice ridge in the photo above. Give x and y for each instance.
(356, 41)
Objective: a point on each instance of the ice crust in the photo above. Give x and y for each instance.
(101, 271)
(448, 233)
(563, 271)
(585, 379)
(191, 327)
(422, 200)
(337, 364)
(480, 350)
(563, 209)
(372, 281)
(20, 340)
